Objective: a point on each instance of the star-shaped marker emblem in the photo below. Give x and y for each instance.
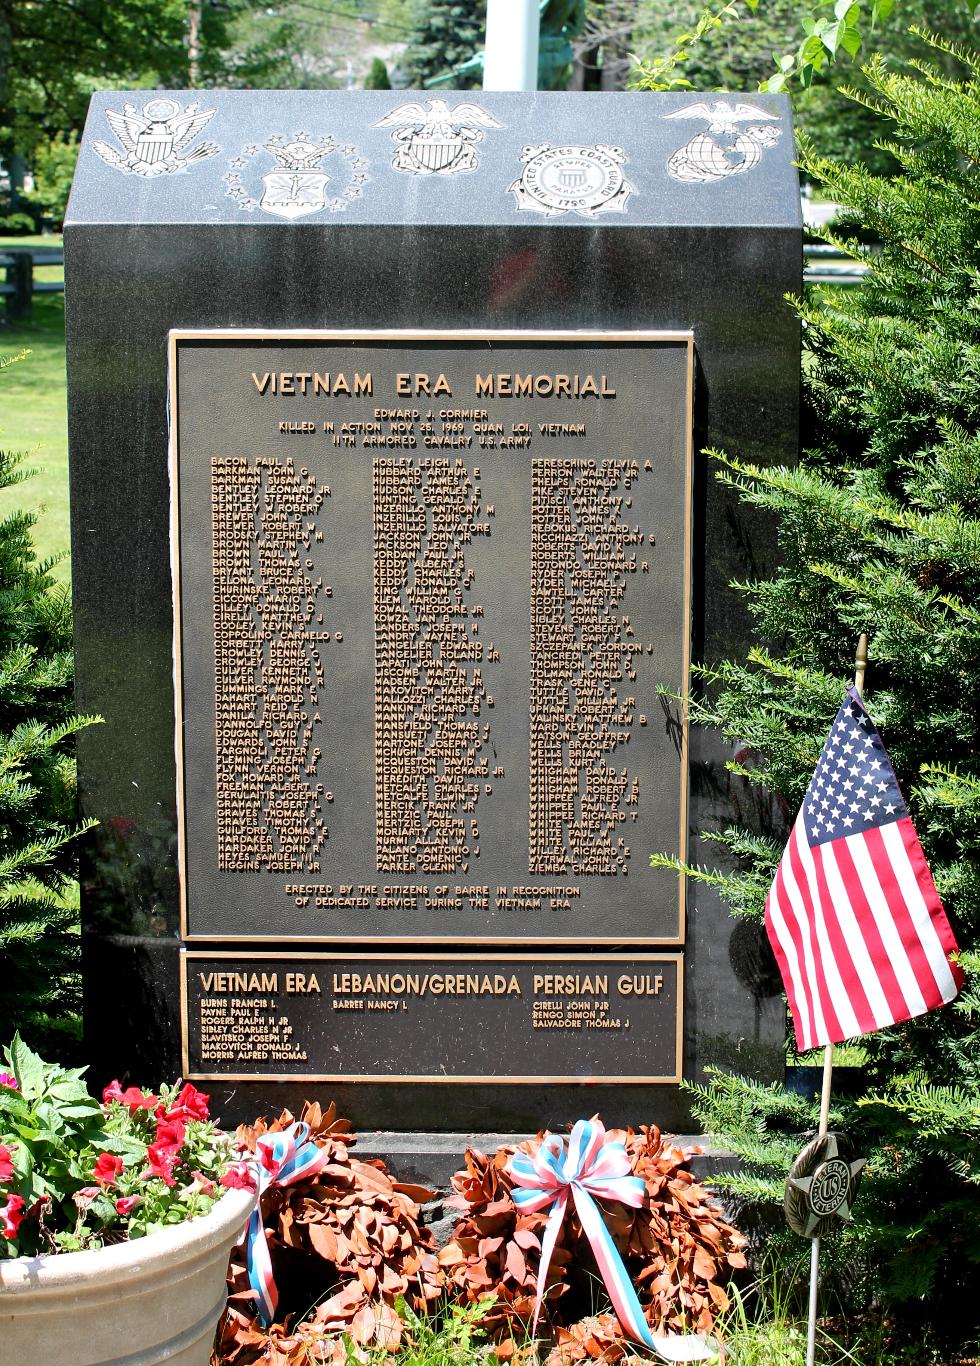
(822, 1185)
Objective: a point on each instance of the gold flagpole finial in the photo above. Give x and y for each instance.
(861, 662)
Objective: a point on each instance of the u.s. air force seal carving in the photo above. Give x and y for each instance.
(296, 183)
(582, 180)
(432, 139)
(155, 137)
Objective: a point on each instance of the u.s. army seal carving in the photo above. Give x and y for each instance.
(583, 180)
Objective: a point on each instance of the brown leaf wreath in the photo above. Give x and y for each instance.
(679, 1250)
(346, 1248)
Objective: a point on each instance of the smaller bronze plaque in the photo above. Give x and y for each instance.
(454, 1018)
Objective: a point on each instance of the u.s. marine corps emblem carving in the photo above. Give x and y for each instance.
(297, 183)
(154, 137)
(733, 143)
(432, 139)
(582, 180)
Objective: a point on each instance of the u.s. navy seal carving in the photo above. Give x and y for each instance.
(733, 143)
(582, 180)
(154, 137)
(297, 185)
(432, 139)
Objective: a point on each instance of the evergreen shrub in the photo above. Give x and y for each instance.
(39, 939)
(879, 531)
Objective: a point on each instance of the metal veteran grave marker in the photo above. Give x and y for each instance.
(391, 542)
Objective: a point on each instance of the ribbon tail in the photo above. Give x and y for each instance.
(259, 1266)
(621, 1292)
(548, 1241)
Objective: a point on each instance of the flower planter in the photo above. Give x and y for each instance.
(156, 1299)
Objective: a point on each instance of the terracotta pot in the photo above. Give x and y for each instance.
(156, 1299)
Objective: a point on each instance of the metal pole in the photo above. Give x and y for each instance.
(860, 664)
(511, 58)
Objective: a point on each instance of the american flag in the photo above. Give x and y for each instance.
(853, 915)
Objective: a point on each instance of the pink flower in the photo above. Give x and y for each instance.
(161, 1162)
(6, 1163)
(239, 1178)
(190, 1103)
(171, 1133)
(11, 1215)
(202, 1183)
(107, 1168)
(86, 1195)
(125, 1203)
(7, 1080)
(133, 1098)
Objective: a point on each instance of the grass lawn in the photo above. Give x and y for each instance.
(33, 414)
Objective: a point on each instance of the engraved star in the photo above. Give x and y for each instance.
(250, 151)
(804, 1184)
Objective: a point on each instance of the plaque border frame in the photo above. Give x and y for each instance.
(186, 955)
(623, 336)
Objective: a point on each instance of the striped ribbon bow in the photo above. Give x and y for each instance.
(283, 1159)
(593, 1166)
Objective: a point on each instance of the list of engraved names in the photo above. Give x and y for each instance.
(479, 575)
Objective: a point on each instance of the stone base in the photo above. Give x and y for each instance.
(431, 1159)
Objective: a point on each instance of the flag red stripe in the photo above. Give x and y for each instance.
(831, 1024)
(840, 950)
(930, 896)
(892, 893)
(864, 915)
(801, 1010)
(810, 1025)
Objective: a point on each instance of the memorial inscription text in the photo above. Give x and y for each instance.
(487, 596)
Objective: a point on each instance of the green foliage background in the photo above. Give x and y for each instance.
(39, 944)
(879, 531)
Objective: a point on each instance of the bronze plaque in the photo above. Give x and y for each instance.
(398, 1017)
(427, 588)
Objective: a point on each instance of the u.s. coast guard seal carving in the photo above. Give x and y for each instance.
(296, 185)
(582, 180)
(432, 139)
(733, 143)
(155, 136)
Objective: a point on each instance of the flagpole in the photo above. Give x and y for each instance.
(860, 664)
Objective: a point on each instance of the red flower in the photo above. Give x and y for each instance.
(11, 1215)
(161, 1162)
(239, 1178)
(107, 1168)
(126, 1202)
(7, 1080)
(190, 1103)
(133, 1098)
(171, 1133)
(6, 1164)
